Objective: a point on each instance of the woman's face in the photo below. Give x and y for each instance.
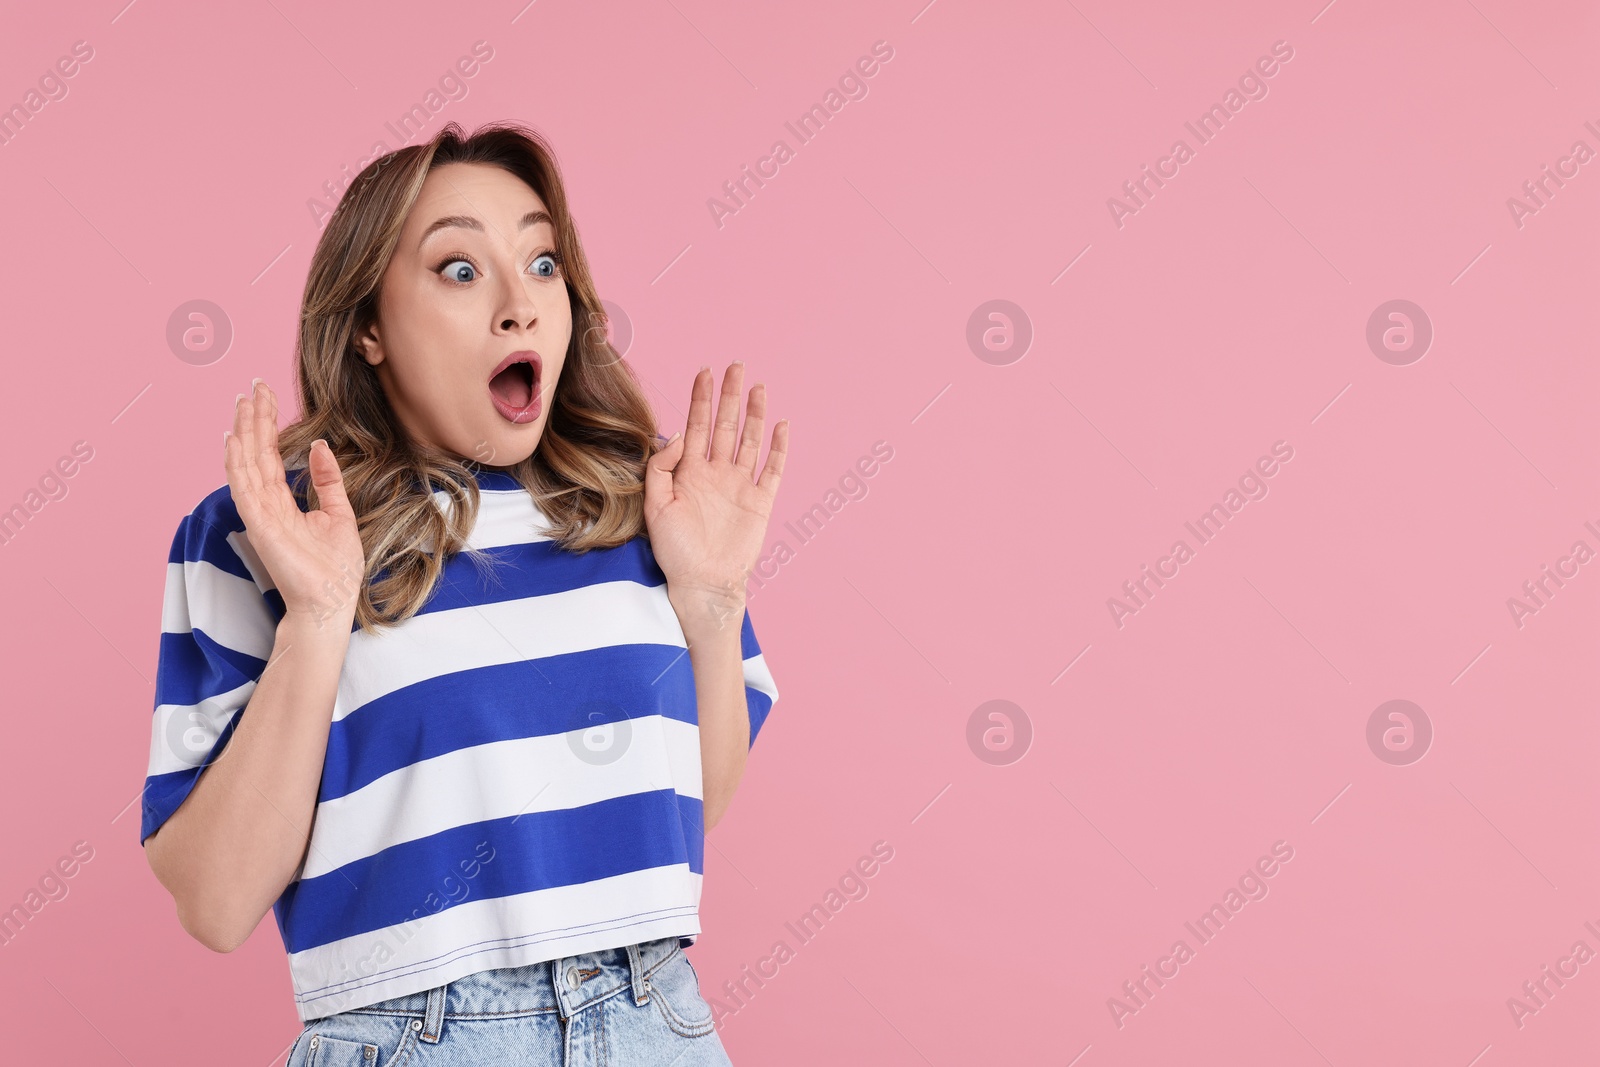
(473, 284)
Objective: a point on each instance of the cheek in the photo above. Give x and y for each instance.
(423, 330)
(556, 311)
(427, 371)
(552, 374)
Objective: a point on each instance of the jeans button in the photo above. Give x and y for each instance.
(573, 978)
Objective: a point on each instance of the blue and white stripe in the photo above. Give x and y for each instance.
(512, 775)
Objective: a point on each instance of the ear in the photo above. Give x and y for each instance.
(368, 345)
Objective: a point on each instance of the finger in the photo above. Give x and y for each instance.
(658, 472)
(273, 472)
(773, 472)
(328, 480)
(244, 430)
(727, 424)
(266, 431)
(238, 483)
(754, 417)
(697, 433)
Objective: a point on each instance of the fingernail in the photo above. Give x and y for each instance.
(253, 383)
(238, 398)
(738, 363)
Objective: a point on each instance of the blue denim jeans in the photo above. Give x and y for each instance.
(639, 1004)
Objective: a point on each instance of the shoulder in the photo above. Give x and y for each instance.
(218, 508)
(205, 533)
(212, 531)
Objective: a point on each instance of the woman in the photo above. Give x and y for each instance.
(472, 783)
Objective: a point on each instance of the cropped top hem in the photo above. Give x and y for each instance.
(521, 952)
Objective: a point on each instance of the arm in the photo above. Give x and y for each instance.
(241, 825)
(707, 512)
(724, 713)
(237, 839)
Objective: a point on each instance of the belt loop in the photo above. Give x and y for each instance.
(558, 982)
(641, 988)
(433, 1024)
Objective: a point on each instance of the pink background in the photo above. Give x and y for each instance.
(1229, 313)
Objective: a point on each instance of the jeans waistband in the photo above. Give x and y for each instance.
(566, 985)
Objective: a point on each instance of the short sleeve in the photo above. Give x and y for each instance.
(760, 691)
(218, 625)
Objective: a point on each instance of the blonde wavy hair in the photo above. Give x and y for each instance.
(587, 474)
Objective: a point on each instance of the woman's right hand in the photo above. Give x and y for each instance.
(315, 558)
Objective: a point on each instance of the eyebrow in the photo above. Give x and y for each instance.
(467, 222)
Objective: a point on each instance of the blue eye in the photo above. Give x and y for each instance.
(459, 265)
(452, 266)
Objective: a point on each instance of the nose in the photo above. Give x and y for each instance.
(517, 308)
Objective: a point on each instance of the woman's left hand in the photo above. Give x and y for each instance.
(707, 515)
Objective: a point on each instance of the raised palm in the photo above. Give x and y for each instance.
(315, 558)
(708, 514)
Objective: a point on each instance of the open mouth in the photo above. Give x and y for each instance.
(515, 389)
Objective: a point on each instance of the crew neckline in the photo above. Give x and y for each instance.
(486, 477)
(491, 477)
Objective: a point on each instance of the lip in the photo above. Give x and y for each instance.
(531, 411)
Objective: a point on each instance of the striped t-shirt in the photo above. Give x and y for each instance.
(512, 774)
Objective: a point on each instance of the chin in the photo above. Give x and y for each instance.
(509, 446)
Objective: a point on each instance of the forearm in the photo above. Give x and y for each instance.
(711, 625)
(237, 839)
